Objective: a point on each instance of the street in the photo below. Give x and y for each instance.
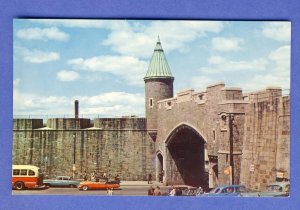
(128, 188)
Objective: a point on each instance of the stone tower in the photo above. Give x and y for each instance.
(158, 86)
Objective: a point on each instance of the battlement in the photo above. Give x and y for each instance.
(130, 123)
(263, 95)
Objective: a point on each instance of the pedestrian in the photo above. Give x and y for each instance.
(151, 191)
(173, 191)
(150, 178)
(104, 175)
(117, 178)
(93, 178)
(109, 191)
(161, 176)
(85, 177)
(157, 191)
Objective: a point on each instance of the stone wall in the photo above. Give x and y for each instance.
(202, 112)
(128, 152)
(266, 149)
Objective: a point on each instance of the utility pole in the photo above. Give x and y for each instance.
(231, 118)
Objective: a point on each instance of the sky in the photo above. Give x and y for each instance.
(102, 63)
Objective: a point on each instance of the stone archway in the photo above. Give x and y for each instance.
(186, 157)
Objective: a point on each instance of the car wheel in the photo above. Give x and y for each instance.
(19, 185)
(85, 188)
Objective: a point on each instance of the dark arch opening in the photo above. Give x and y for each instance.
(187, 153)
(160, 167)
(160, 162)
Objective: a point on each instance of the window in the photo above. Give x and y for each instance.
(31, 173)
(151, 102)
(23, 171)
(16, 172)
(200, 97)
(214, 134)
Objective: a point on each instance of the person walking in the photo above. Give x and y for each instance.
(150, 178)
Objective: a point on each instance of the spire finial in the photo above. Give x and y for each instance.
(158, 40)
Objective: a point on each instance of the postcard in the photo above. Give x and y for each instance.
(151, 107)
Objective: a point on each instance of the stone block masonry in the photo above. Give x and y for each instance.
(121, 147)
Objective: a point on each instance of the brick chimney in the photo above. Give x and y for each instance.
(76, 109)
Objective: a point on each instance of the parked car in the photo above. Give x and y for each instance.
(226, 190)
(61, 181)
(98, 185)
(275, 189)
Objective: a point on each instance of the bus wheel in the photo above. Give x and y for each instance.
(85, 188)
(19, 185)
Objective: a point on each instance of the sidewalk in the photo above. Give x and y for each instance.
(140, 183)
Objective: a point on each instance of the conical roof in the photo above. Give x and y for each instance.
(158, 67)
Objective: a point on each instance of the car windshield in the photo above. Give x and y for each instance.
(274, 188)
(215, 190)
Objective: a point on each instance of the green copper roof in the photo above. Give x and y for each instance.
(158, 67)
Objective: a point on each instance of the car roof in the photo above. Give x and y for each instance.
(235, 185)
(63, 176)
(279, 183)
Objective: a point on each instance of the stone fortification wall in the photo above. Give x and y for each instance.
(266, 149)
(113, 150)
(202, 111)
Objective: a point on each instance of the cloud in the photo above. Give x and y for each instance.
(36, 56)
(67, 76)
(129, 68)
(139, 41)
(279, 31)
(16, 82)
(201, 82)
(106, 104)
(279, 74)
(221, 64)
(43, 34)
(227, 44)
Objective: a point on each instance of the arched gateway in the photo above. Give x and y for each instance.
(185, 157)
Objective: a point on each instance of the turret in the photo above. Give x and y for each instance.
(158, 84)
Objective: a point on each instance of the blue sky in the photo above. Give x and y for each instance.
(102, 62)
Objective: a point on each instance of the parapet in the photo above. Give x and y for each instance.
(68, 123)
(130, 123)
(27, 124)
(264, 95)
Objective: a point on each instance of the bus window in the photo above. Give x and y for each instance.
(31, 173)
(23, 171)
(16, 172)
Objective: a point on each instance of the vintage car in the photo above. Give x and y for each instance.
(225, 190)
(61, 181)
(185, 190)
(275, 189)
(98, 185)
